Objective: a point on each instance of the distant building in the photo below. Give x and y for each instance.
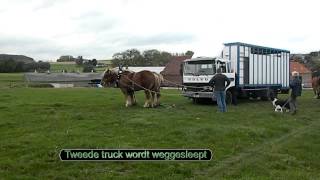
(59, 80)
(315, 53)
(173, 71)
(304, 72)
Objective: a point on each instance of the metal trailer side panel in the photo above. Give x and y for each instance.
(264, 66)
(241, 72)
(226, 52)
(255, 76)
(260, 69)
(284, 80)
(268, 70)
(230, 53)
(278, 69)
(271, 69)
(251, 67)
(234, 58)
(282, 69)
(288, 69)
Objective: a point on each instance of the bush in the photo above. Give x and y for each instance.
(88, 68)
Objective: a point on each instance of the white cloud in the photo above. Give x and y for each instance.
(46, 29)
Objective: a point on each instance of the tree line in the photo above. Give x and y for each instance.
(10, 65)
(153, 57)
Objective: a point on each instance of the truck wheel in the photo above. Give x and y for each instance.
(195, 100)
(273, 94)
(228, 97)
(267, 94)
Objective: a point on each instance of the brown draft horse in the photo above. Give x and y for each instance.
(129, 82)
(316, 86)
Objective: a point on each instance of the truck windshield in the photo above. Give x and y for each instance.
(199, 68)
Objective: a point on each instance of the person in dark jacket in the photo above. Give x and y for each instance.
(218, 82)
(296, 89)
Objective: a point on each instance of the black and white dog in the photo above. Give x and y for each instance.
(281, 105)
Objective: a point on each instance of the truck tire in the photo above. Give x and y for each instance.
(195, 101)
(228, 97)
(273, 94)
(267, 94)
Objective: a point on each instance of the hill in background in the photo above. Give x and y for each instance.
(17, 58)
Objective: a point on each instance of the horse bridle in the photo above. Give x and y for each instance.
(120, 72)
(119, 76)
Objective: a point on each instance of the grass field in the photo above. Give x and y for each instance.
(249, 142)
(8, 80)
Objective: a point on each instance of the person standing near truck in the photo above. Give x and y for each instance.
(296, 89)
(218, 82)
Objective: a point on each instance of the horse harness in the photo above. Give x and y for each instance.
(131, 86)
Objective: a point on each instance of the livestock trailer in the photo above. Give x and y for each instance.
(255, 71)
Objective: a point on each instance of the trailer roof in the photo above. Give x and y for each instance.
(207, 59)
(255, 46)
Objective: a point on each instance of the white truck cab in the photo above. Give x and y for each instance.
(197, 73)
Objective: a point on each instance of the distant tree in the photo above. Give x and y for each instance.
(94, 62)
(133, 57)
(88, 68)
(79, 60)
(43, 66)
(151, 57)
(165, 58)
(189, 53)
(30, 67)
(130, 57)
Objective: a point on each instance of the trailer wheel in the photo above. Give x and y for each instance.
(273, 94)
(267, 94)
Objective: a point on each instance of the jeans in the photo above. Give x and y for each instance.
(293, 104)
(221, 100)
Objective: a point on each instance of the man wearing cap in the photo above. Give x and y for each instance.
(296, 89)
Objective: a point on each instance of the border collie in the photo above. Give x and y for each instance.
(281, 105)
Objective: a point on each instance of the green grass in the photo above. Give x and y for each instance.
(58, 67)
(11, 80)
(249, 142)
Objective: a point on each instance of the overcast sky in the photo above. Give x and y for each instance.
(47, 29)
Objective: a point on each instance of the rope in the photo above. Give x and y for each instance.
(170, 94)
